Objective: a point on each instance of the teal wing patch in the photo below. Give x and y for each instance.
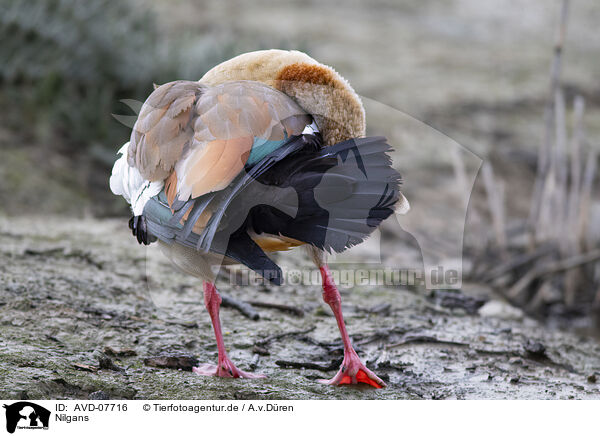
(262, 147)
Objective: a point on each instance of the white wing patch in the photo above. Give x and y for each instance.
(129, 183)
(403, 206)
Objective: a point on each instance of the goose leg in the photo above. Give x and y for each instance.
(224, 367)
(352, 371)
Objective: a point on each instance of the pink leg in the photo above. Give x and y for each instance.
(224, 367)
(352, 371)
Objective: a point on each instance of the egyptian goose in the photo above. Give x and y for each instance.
(265, 153)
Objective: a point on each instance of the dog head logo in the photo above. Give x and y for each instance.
(26, 415)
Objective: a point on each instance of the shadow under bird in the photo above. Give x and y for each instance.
(267, 152)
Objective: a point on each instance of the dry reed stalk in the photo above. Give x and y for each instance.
(586, 199)
(574, 277)
(545, 150)
(495, 196)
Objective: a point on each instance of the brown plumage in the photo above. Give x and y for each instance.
(206, 132)
(317, 88)
(163, 128)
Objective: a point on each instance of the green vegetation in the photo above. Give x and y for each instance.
(67, 64)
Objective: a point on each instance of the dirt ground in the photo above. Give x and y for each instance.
(85, 312)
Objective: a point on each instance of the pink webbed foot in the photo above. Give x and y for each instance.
(225, 368)
(353, 372)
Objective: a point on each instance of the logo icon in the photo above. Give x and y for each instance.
(26, 415)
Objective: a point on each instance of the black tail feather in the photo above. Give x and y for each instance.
(344, 193)
(332, 198)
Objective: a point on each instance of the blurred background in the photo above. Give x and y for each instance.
(514, 82)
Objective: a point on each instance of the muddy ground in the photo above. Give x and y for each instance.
(83, 308)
